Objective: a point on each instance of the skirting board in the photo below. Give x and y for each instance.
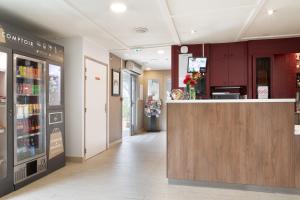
(115, 142)
(75, 159)
(234, 186)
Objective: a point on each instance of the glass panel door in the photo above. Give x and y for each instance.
(263, 78)
(29, 98)
(126, 104)
(133, 103)
(3, 113)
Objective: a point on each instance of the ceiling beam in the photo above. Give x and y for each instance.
(165, 10)
(100, 28)
(249, 21)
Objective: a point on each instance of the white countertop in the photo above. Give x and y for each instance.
(234, 101)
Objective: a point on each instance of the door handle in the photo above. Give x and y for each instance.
(10, 112)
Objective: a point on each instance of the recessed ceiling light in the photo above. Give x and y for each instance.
(160, 51)
(118, 7)
(270, 12)
(193, 31)
(148, 68)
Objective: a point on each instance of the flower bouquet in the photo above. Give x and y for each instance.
(152, 107)
(190, 81)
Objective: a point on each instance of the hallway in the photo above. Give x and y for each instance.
(136, 170)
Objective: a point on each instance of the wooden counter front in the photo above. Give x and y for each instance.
(243, 143)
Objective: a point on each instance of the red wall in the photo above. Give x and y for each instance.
(196, 50)
(254, 48)
(269, 48)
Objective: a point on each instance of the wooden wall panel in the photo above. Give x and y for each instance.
(297, 160)
(246, 143)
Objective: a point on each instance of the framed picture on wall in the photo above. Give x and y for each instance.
(115, 83)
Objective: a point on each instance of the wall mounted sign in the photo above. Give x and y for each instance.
(13, 38)
(55, 118)
(183, 64)
(115, 83)
(56, 143)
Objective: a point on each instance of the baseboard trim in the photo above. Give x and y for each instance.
(232, 186)
(115, 142)
(75, 159)
(139, 131)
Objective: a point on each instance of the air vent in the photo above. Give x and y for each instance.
(141, 29)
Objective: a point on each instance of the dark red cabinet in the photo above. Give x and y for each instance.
(219, 65)
(228, 64)
(237, 64)
(283, 80)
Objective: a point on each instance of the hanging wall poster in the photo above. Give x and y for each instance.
(115, 83)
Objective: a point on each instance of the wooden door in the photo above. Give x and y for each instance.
(219, 65)
(237, 64)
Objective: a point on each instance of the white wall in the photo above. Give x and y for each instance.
(75, 50)
(95, 51)
(73, 75)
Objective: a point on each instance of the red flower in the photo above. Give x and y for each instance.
(193, 82)
(187, 76)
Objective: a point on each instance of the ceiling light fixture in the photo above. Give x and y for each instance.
(160, 51)
(270, 12)
(141, 29)
(193, 31)
(118, 7)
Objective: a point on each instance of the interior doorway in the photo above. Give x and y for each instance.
(95, 107)
(129, 118)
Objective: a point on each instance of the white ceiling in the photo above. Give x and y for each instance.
(169, 22)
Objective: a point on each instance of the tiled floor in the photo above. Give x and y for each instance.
(135, 169)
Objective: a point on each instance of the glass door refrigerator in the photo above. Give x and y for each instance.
(6, 150)
(29, 117)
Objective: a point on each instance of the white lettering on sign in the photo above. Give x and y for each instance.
(17, 39)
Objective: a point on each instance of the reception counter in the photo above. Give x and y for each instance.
(233, 141)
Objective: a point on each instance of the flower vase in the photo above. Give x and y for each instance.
(187, 91)
(192, 93)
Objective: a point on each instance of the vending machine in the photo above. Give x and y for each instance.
(31, 108)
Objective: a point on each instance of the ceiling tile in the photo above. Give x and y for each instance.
(284, 22)
(141, 13)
